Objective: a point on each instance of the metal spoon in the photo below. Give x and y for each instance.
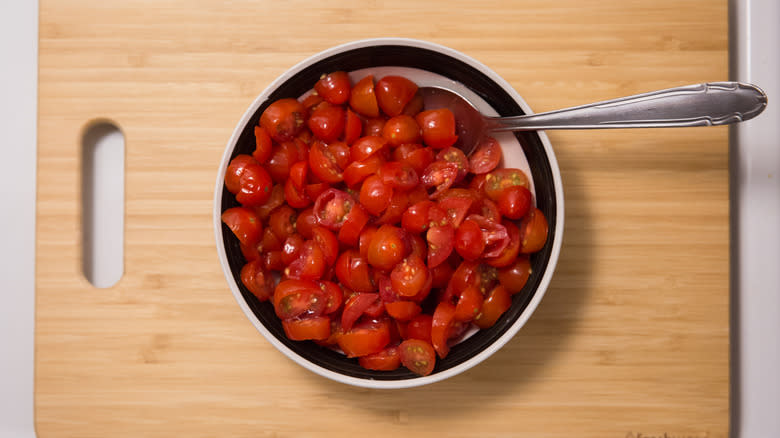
(708, 104)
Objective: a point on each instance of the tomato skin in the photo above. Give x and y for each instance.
(375, 195)
(353, 127)
(365, 239)
(263, 145)
(294, 196)
(469, 304)
(357, 171)
(515, 276)
(275, 200)
(417, 246)
(415, 218)
(439, 175)
(272, 260)
(364, 339)
(283, 156)
(328, 243)
(323, 163)
(441, 275)
(374, 127)
(316, 328)
(403, 310)
(438, 127)
(353, 271)
(363, 98)
(393, 93)
(283, 119)
(355, 221)
(499, 179)
(259, 282)
(387, 248)
(418, 356)
(440, 244)
(392, 215)
(365, 147)
(468, 240)
(419, 327)
(292, 248)
(388, 359)
(282, 222)
(533, 231)
(254, 185)
(250, 252)
(314, 190)
(310, 263)
(419, 159)
(415, 105)
(334, 296)
(494, 235)
(327, 122)
(409, 277)
(244, 224)
(486, 157)
(496, 303)
(514, 202)
(402, 129)
(399, 176)
(355, 306)
(508, 254)
(306, 222)
(334, 87)
(443, 317)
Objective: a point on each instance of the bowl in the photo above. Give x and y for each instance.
(427, 64)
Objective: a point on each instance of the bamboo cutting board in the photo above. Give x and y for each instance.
(631, 339)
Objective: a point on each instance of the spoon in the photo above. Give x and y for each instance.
(707, 104)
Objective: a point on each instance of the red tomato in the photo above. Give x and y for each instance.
(305, 222)
(455, 209)
(275, 200)
(353, 271)
(357, 171)
(440, 244)
(496, 303)
(387, 248)
(508, 255)
(494, 235)
(234, 171)
(294, 196)
(375, 195)
(313, 191)
(327, 242)
(293, 298)
(259, 282)
(419, 159)
(419, 327)
(310, 264)
(334, 87)
(499, 179)
(468, 240)
(355, 306)
(272, 260)
(418, 246)
(327, 121)
(365, 147)
(533, 231)
(244, 223)
(283, 119)
(415, 218)
(365, 239)
(486, 157)
(324, 164)
(455, 155)
(393, 93)
(263, 145)
(395, 210)
(363, 98)
(402, 129)
(353, 127)
(316, 328)
(388, 359)
(415, 105)
(270, 241)
(418, 356)
(487, 209)
(441, 275)
(374, 127)
(403, 310)
(311, 101)
(298, 174)
(334, 296)
(439, 175)
(292, 248)
(469, 304)
(514, 202)
(332, 208)
(254, 185)
(443, 318)
(438, 127)
(399, 176)
(282, 158)
(515, 276)
(356, 220)
(409, 277)
(282, 222)
(366, 338)
(250, 252)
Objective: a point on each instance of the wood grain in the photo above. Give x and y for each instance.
(632, 337)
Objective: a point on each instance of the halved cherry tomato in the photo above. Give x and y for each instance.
(306, 222)
(514, 202)
(314, 190)
(334, 296)
(409, 277)
(283, 119)
(298, 174)
(294, 196)
(419, 159)
(310, 263)
(393, 93)
(441, 275)
(494, 235)
(250, 252)
(374, 127)
(375, 195)
(533, 231)
(418, 246)
(455, 209)
(515, 276)
(455, 155)
(469, 304)
(508, 254)
(353, 127)
(365, 239)
(365, 147)
(439, 175)
(486, 157)
(324, 163)
(399, 176)
(303, 329)
(443, 318)
(487, 209)
(419, 327)
(388, 359)
(327, 121)
(334, 87)
(403, 310)
(387, 248)
(468, 240)
(254, 185)
(291, 248)
(244, 224)
(259, 282)
(418, 356)
(272, 260)
(440, 244)
(293, 298)
(415, 218)
(357, 171)
(438, 127)
(234, 171)
(365, 338)
(355, 306)
(275, 200)
(415, 105)
(327, 242)
(283, 156)
(282, 222)
(363, 98)
(496, 303)
(332, 208)
(499, 179)
(311, 101)
(402, 129)
(356, 220)
(353, 271)
(263, 145)
(392, 215)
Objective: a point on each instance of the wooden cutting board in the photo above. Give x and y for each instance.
(631, 339)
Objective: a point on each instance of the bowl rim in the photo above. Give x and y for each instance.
(417, 381)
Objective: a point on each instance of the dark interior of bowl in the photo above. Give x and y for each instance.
(404, 56)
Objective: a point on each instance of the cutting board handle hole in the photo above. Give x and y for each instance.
(103, 202)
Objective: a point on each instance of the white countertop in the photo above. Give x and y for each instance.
(755, 194)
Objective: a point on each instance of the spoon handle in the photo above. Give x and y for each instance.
(707, 104)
